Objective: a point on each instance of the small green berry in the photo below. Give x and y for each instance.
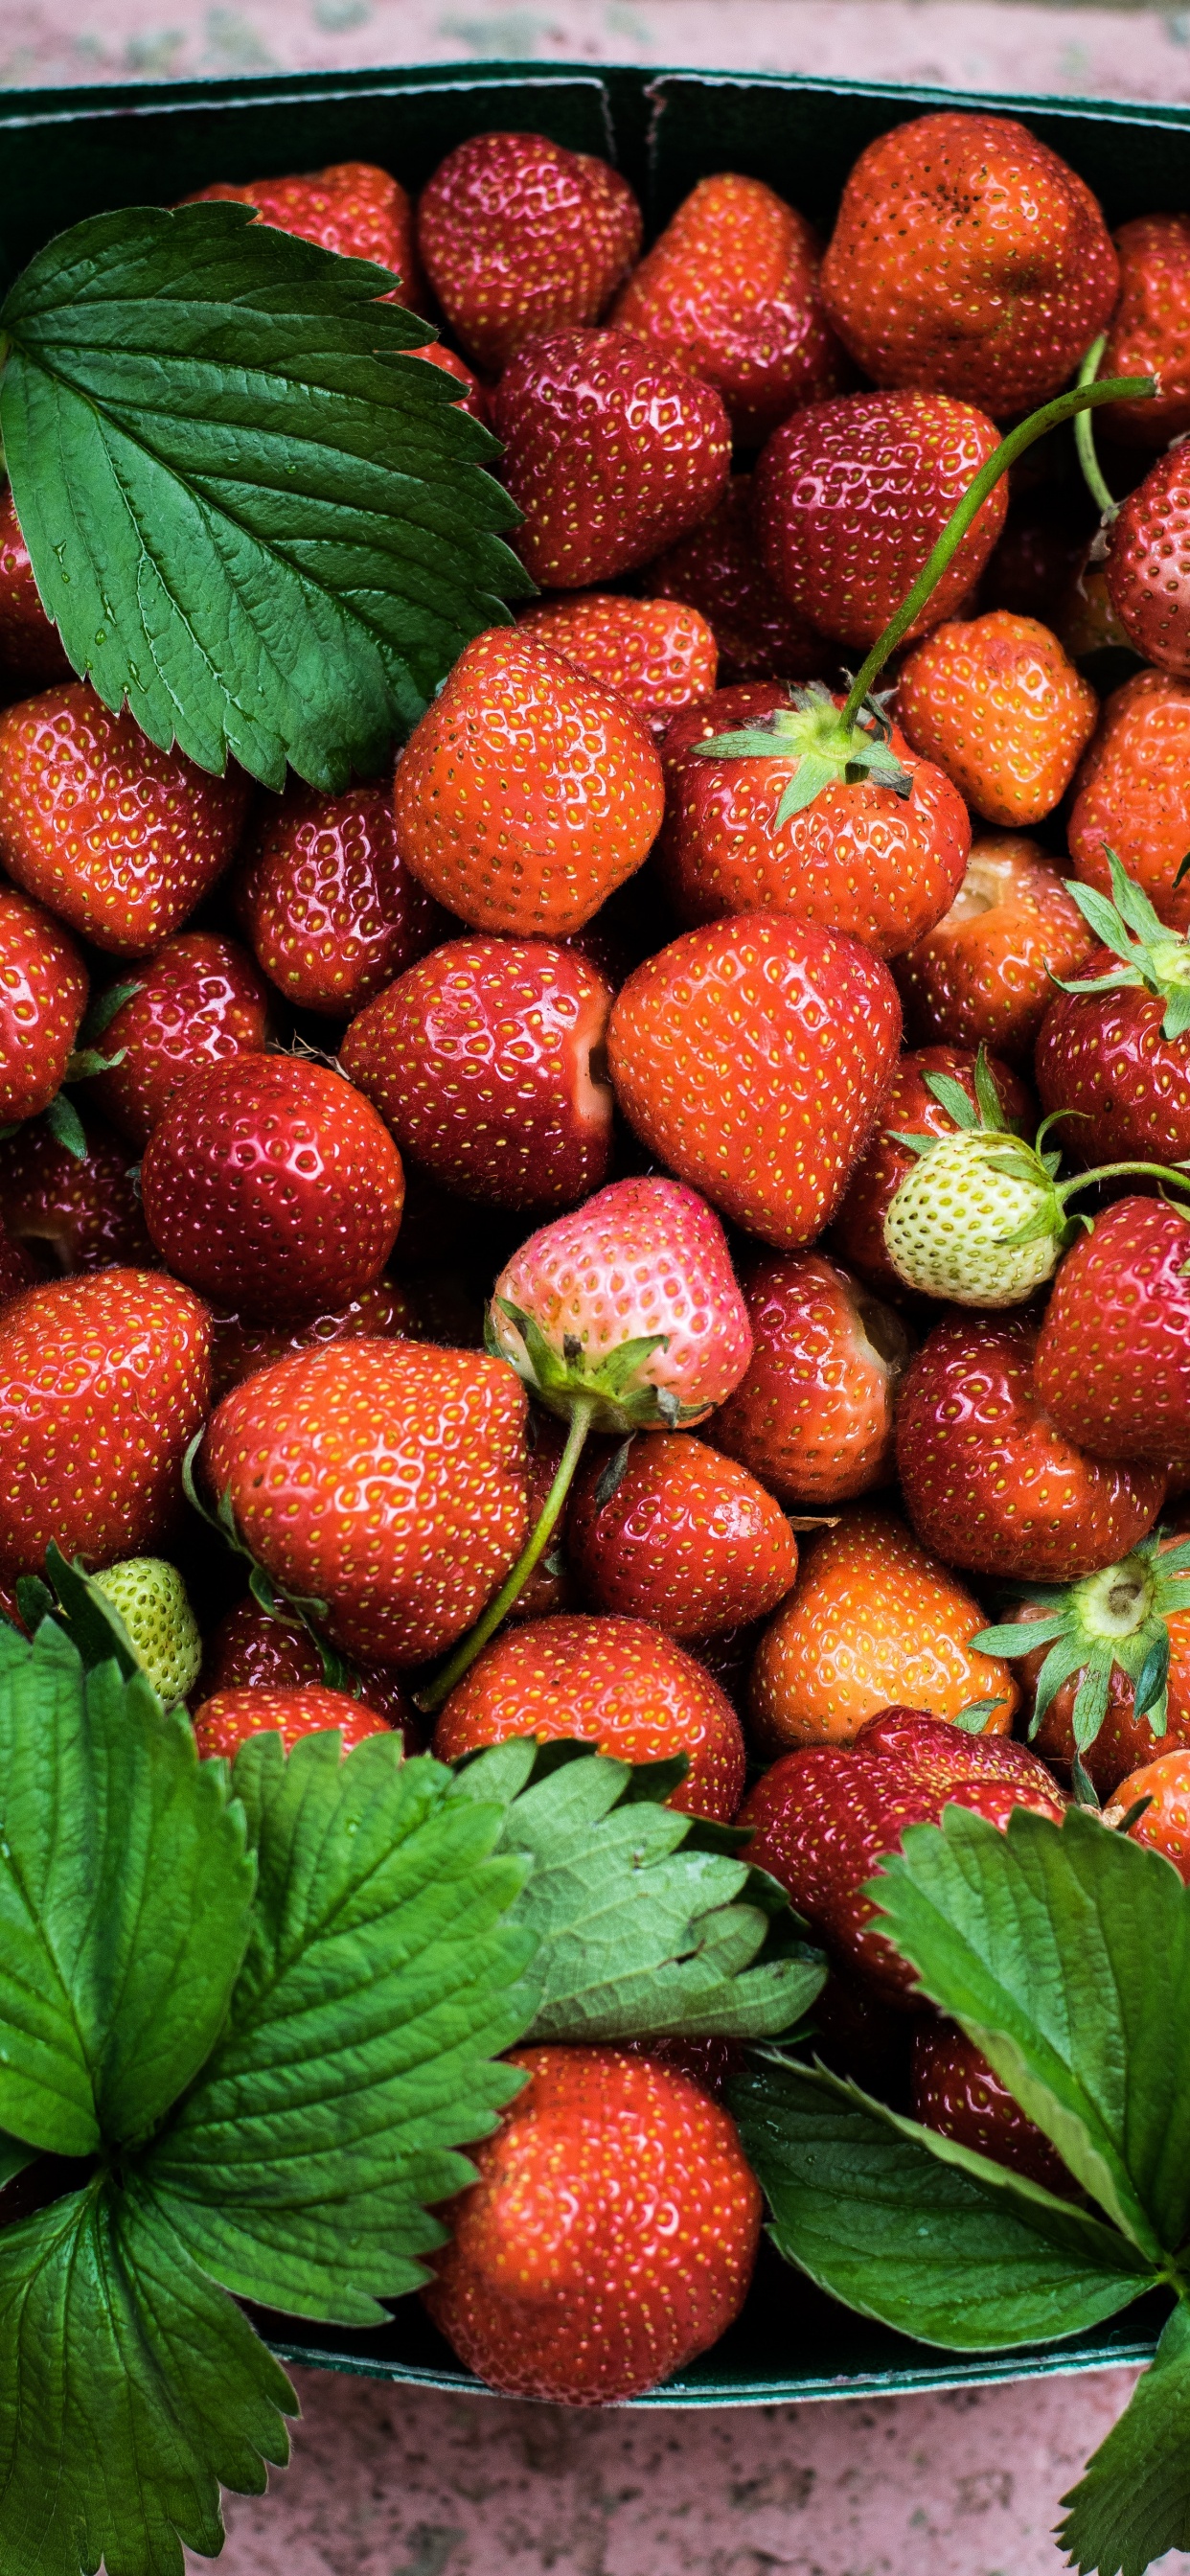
(152, 1601)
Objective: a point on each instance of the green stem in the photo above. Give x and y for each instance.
(514, 1584)
(1084, 435)
(1119, 1172)
(1064, 407)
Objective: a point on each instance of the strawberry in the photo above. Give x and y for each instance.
(878, 852)
(527, 793)
(812, 1415)
(1113, 1056)
(384, 1478)
(610, 451)
(68, 768)
(823, 1818)
(351, 207)
(240, 1345)
(912, 1107)
(850, 497)
(685, 1538)
(103, 1383)
(1165, 1824)
(31, 655)
(984, 975)
(874, 1619)
(753, 1057)
(1113, 1357)
(198, 1001)
(1148, 565)
(995, 702)
(988, 1480)
(152, 1601)
(473, 398)
(17, 1270)
(480, 1062)
(519, 236)
(1147, 332)
(229, 1717)
(76, 1211)
(610, 2235)
(617, 1683)
(270, 1184)
(1105, 1663)
(252, 1650)
(1132, 793)
(659, 654)
(967, 259)
(43, 995)
(717, 569)
(330, 909)
(954, 2091)
(729, 291)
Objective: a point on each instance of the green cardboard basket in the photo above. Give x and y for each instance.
(69, 153)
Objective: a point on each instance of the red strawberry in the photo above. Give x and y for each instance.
(988, 1479)
(1114, 1051)
(611, 2234)
(658, 654)
(1113, 1359)
(43, 995)
(753, 1057)
(955, 2092)
(851, 496)
(351, 207)
(729, 291)
(995, 702)
(79, 1211)
(480, 1062)
(1147, 333)
(812, 1416)
(984, 975)
(968, 259)
(103, 1383)
(718, 570)
(229, 1717)
(1131, 1624)
(1132, 794)
(196, 1002)
(31, 654)
(473, 398)
(17, 1271)
(527, 793)
(686, 1539)
(617, 1683)
(910, 1109)
(610, 451)
(250, 1650)
(1148, 565)
(519, 236)
(331, 910)
(118, 838)
(824, 1818)
(385, 1478)
(881, 861)
(271, 1184)
(1165, 1825)
(240, 1346)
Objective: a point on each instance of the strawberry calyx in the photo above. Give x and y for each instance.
(1114, 1620)
(1153, 958)
(830, 749)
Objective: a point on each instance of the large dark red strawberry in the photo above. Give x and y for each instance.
(327, 902)
(196, 1002)
(74, 1211)
(520, 236)
(43, 994)
(1113, 1359)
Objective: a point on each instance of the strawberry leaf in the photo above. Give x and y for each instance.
(251, 512)
(379, 1986)
(1133, 2504)
(912, 2228)
(132, 2388)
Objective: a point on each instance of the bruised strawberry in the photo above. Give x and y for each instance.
(657, 653)
(1113, 1358)
(717, 569)
(956, 2092)
(685, 1538)
(43, 994)
(480, 1061)
(1147, 334)
(911, 1108)
(609, 2238)
(610, 451)
(520, 236)
(252, 1650)
(812, 1416)
(230, 1717)
(198, 1001)
(74, 1211)
(350, 207)
(31, 653)
(384, 1478)
(241, 1345)
(272, 1185)
(103, 1383)
(967, 259)
(1132, 793)
(527, 793)
(729, 291)
(68, 768)
(1148, 565)
(330, 908)
(825, 1817)
(874, 1621)
(1165, 1825)
(994, 701)
(985, 974)
(617, 1683)
(850, 497)
(753, 1057)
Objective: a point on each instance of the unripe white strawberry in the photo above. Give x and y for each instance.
(949, 1230)
(161, 1627)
